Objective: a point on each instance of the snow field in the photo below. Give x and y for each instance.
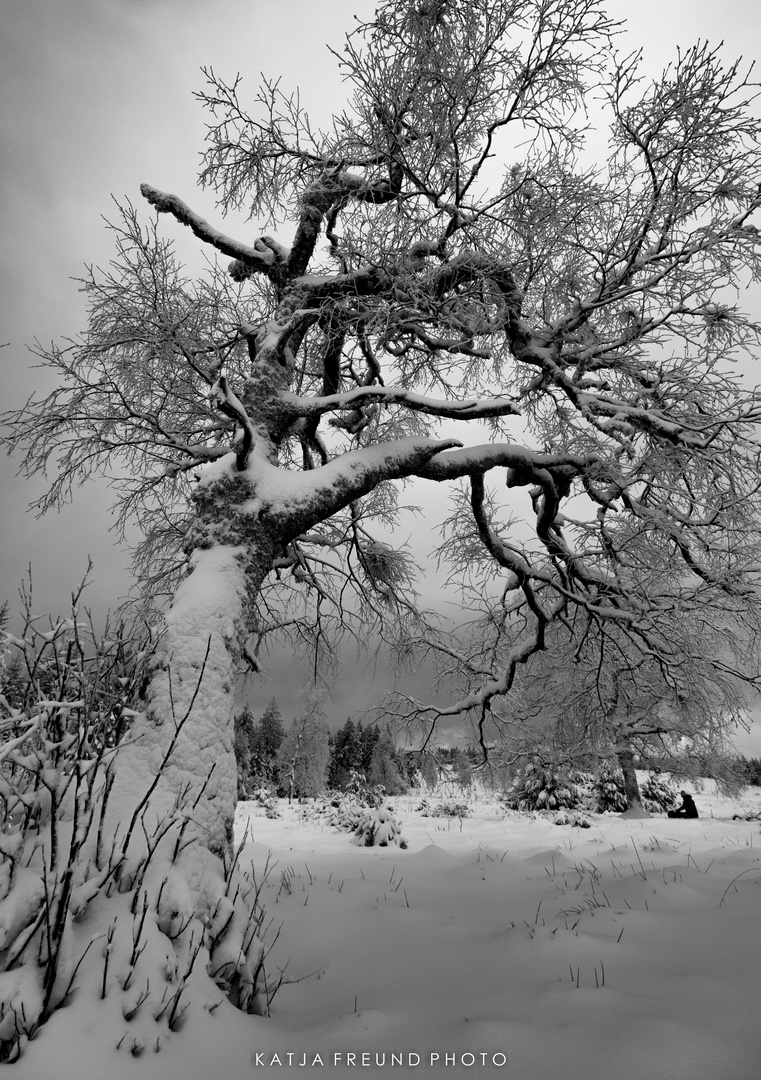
(629, 949)
(568, 950)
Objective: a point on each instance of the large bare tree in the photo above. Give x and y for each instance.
(673, 697)
(507, 224)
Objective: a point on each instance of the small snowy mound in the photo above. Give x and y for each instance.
(378, 828)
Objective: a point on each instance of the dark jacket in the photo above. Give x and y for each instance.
(688, 807)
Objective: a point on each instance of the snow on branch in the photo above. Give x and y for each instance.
(471, 409)
(485, 456)
(266, 256)
(325, 196)
(227, 403)
(301, 500)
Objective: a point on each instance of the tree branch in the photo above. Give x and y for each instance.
(473, 409)
(266, 256)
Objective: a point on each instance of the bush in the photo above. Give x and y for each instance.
(578, 821)
(349, 810)
(608, 789)
(378, 828)
(265, 797)
(344, 809)
(544, 787)
(450, 809)
(658, 795)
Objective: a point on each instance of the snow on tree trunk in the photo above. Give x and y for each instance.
(186, 735)
(635, 808)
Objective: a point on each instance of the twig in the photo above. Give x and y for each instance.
(750, 870)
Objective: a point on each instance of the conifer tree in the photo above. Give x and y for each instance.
(303, 756)
(269, 737)
(346, 758)
(368, 738)
(384, 769)
(245, 750)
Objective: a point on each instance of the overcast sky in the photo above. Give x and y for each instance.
(96, 96)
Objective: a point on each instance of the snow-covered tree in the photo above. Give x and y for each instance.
(429, 770)
(367, 738)
(271, 732)
(244, 745)
(266, 739)
(596, 692)
(304, 754)
(465, 247)
(384, 767)
(346, 755)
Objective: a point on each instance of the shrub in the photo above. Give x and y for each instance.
(450, 809)
(578, 821)
(379, 828)
(265, 797)
(545, 787)
(608, 789)
(344, 809)
(348, 812)
(658, 795)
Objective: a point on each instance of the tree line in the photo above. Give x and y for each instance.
(305, 759)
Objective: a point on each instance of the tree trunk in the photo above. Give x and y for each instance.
(179, 754)
(625, 756)
(138, 853)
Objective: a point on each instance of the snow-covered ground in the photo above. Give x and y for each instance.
(507, 945)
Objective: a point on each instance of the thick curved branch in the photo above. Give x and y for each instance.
(297, 501)
(470, 459)
(472, 409)
(324, 199)
(266, 256)
(230, 406)
(369, 281)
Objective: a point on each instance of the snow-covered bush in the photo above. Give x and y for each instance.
(344, 809)
(608, 788)
(450, 809)
(578, 821)
(444, 809)
(348, 811)
(264, 797)
(378, 828)
(658, 795)
(544, 787)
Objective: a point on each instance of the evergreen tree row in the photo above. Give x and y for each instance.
(305, 760)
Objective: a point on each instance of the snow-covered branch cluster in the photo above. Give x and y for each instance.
(585, 316)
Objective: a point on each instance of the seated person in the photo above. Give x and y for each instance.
(687, 809)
